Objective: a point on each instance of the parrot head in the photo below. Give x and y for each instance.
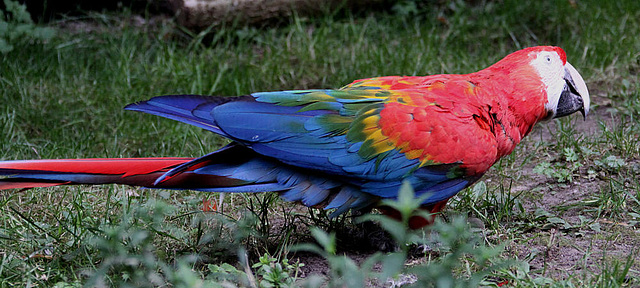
(566, 91)
(546, 68)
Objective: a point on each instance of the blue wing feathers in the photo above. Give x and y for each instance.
(304, 148)
(341, 198)
(314, 195)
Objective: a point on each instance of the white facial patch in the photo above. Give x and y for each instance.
(551, 70)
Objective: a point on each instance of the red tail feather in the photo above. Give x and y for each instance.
(45, 173)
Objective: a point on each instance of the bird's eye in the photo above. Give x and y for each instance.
(547, 59)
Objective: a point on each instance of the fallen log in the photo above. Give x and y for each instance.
(199, 14)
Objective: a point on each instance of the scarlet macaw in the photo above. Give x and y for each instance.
(346, 148)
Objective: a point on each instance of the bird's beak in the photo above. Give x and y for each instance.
(575, 96)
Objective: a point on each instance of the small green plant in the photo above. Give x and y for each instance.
(269, 272)
(276, 273)
(126, 250)
(611, 163)
(16, 26)
(551, 220)
(561, 171)
(557, 172)
(227, 274)
(127, 253)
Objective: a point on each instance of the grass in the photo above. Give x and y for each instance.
(63, 98)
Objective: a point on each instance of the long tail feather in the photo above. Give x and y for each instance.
(44, 173)
(234, 169)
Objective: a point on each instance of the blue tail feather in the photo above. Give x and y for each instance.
(190, 109)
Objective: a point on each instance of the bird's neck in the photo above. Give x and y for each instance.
(518, 104)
